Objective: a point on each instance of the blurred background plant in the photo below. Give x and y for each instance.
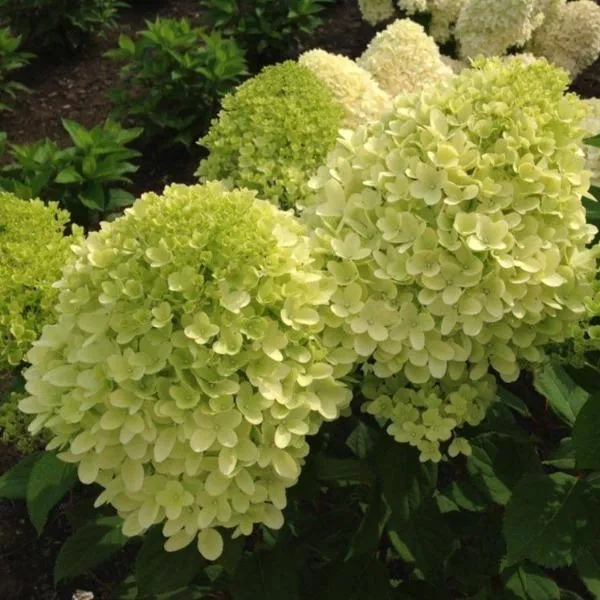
(11, 59)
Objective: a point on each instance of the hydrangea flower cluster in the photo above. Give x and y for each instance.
(490, 28)
(351, 86)
(444, 14)
(454, 229)
(430, 414)
(570, 35)
(184, 371)
(33, 249)
(374, 11)
(272, 132)
(410, 7)
(403, 58)
(591, 124)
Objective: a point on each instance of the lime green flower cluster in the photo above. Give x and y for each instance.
(570, 35)
(185, 371)
(403, 58)
(429, 415)
(272, 132)
(14, 424)
(454, 229)
(351, 86)
(33, 250)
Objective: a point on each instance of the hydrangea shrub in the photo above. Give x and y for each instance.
(455, 234)
(403, 58)
(272, 132)
(351, 86)
(185, 368)
(33, 249)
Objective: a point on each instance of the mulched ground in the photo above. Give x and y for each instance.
(76, 88)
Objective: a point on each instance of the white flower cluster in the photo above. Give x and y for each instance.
(351, 86)
(443, 16)
(374, 11)
(454, 229)
(591, 124)
(403, 58)
(411, 7)
(570, 36)
(185, 371)
(490, 28)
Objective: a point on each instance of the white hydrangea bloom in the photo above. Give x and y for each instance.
(591, 124)
(374, 11)
(490, 28)
(570, 36)
(443, 16)
(352, 86)
(411, 7)
(403, 58)
(456, 236)
(185, 370)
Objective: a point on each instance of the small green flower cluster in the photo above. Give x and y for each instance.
(454, 229)
(185, 369)
(33, 249)
(272, 133)
(14, 424)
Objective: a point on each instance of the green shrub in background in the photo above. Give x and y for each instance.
(267, 29)
(11, 59)
(33, 250)
(173, 78)
(84, 178)
(272, 132)
(14, 423)
(58, 24)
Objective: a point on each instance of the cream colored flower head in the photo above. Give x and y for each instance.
(186, 369)
(351, 86)
(375, 11)
(570, 36)
(403, 58)
(454, 228)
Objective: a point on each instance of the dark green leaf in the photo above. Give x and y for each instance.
(49, 481)
(119, 199)
(514, 402)
(587, 562)
(406, 481)
(565, 397)
(366, 540)
(593, 141)
(361, 577)
(329, 468)
(89, 547)
(586, 435)
(529, 583)
(362, 440)
(13, 483)
(68, 175)
(546, 519)
(80, 135)
(498, 462)
(158, 571)
(266, 575)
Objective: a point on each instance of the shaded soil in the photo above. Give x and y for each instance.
(76, 88)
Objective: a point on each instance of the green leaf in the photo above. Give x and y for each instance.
(461, 495)
(514, 402)
(586, 435)
(498, 461)
(119, 199)
(592, 208)
(367, 537)
(546, 519)
(329, 468)
(80, 135)
(592, 141)
(158, 571)
(68, 175)
(406, 481)
(529, 583)
(265, 575)
(566, 398)
(92, 196)
(587, 562)
(13, 483)
(564, 457)
(362, 440)
(126, 43)
(360, 577)
(428, 539)
(49, 481)
(88, 547)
